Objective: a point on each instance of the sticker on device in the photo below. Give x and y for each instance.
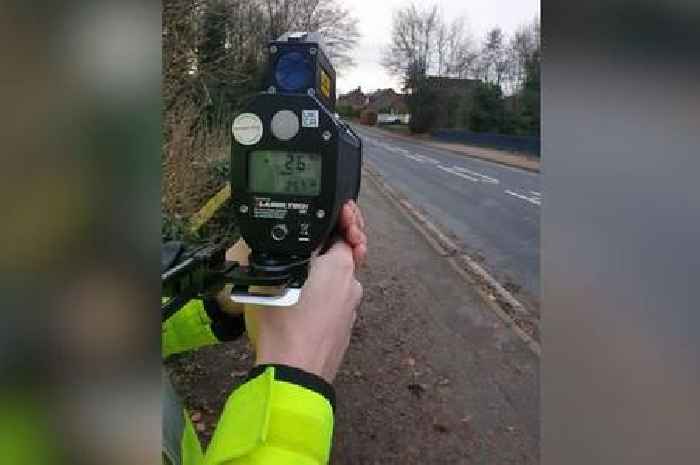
(263, 202)
(309, 118)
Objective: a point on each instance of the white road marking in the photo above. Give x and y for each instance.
(422, 159)
(406, 153)
(368, 135)
(456, 173)
(533, 200)
(414, 157)
(533, 197)
(484, 178)
(468, 174)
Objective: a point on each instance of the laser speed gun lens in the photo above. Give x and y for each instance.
(294, 72)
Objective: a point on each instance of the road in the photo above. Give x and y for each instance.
(494, 210)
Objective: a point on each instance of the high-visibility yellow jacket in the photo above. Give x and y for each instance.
(280, 415)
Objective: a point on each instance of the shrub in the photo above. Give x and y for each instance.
(368, 117)
(487, 110)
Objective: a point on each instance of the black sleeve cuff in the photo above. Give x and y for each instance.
(300, 378)
(225, 327)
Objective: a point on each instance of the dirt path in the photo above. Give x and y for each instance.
(432, 375)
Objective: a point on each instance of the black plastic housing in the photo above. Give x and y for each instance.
(341, 172)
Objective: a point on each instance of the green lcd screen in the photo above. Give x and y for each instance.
(281, 172)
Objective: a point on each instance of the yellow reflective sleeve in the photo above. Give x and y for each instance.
(267, 421)
(187, 329)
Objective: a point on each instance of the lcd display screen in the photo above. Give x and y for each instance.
(281, 172)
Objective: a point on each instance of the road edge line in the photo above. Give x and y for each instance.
(474, 273)
(457, 152)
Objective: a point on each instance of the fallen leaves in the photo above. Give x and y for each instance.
(198, 422)
(440, 428)
(443, 382)
(417, 389)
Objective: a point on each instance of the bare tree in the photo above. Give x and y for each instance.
(441, 45)
(452, 46)
(424, 43)
(335, 23)
(179, 49)
(493, 57)
(459, 50)
(524, 43)
(412, 46)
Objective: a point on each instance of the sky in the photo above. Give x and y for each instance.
(375, 28)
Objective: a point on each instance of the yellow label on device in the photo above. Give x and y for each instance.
(325, 84)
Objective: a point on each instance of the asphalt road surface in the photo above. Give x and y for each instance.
(494, 210)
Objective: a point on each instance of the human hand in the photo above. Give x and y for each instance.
(351, 225)
(314, 335)
(239, 252)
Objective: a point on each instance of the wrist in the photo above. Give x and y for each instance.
(293, 355)
(225, 326)
(298, 377)
(307, 363)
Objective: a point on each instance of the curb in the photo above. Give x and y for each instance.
(209, 209)
(513, 314)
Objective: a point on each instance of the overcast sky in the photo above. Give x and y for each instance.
(375, 29)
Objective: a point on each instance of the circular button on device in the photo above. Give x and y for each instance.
(279, 232)
(247, 129)
(285, 124)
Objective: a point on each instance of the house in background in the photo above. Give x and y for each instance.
(387, 101)
(354, 99)
(389, 106)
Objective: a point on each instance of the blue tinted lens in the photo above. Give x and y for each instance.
(294, 72)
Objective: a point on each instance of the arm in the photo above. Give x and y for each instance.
(197, 324)
(281, 415)
(284, 413)
(208, 321)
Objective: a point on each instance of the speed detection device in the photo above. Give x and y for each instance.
(294, 164)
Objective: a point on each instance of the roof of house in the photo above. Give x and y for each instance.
(378, 100)
(354, 98)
